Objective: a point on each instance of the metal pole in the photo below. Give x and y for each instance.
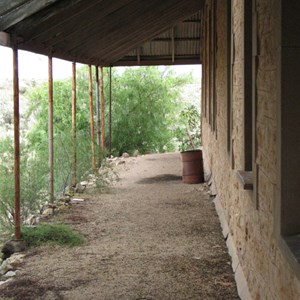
(102, 108)
(98, 117)
(74, 123)
(92, 117)
(110, 108)
(50, 129)
(17, 215)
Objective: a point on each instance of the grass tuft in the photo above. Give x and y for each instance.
(58, 234)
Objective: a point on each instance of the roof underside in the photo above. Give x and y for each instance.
(106, 32)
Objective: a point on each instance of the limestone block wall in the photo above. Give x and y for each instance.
(250, 215)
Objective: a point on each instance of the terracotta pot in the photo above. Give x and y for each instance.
(192, 166)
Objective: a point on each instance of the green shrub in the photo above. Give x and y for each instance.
(59, 234)
(188, 132)
(146, 105)
(146, 102)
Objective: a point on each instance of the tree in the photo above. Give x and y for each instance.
(37, 137)
(145, 104)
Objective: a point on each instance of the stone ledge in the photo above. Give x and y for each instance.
(246, 179)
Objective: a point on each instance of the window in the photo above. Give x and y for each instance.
(247, 176)
(289, 130)
(249, 84)
(229, 74)
(212, 66)
(209, 61)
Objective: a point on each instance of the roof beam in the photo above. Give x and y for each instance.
(20, 12)
(176, 39)
(150, 61)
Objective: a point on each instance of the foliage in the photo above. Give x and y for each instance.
(33, 180)
(6, 182)
(146, 106)
(145, 103)
(188, 131)
(63, 142)
(59, 234)
(34, 149)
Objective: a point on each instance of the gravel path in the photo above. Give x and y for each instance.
(149, 237)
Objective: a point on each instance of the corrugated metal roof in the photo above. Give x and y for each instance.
(105, 32)
(178, 45)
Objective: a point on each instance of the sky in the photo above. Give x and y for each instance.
(35, 66)
(32, 66)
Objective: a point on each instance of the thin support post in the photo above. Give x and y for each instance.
(74, 123)
(138, 54)
(92, 117)
(98, 117)
(110, 110)
(102, 109)
(173, 45)
(50, 129)
(17, 213)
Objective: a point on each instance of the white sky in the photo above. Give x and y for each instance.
(35, 66)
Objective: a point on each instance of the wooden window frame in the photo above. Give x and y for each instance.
(229, 75)
(209, 104)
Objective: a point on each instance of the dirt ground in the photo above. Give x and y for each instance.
(149, 237)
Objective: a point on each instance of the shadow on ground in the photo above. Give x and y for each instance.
(160, 179)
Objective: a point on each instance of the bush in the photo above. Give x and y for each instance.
(33, 180)
(146, 102)
(146, 105)
(188, 132)
(59, 234)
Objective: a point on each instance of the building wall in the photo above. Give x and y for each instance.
(249, 214)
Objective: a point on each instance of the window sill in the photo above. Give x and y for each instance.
(293, 243)
(246, 179)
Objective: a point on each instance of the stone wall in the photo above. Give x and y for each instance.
(249, 215)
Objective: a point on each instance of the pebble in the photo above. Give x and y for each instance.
(10, 274)
(6, 281)
(125, 155)
(47, 212)
(76, 200)
(136, 153)
(9, 263)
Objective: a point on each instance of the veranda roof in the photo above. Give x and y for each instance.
(106, 32)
